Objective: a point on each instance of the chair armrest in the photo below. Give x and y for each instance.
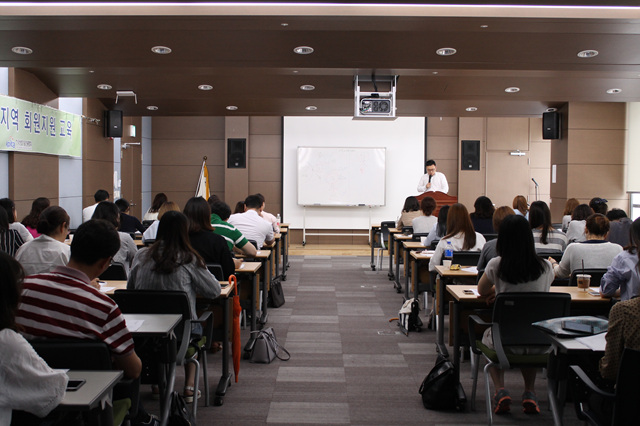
(580, 375)
(474, 321)
(497, 345)
(206, 318)
(184, 343)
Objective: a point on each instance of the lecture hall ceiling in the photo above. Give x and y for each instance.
(245, 52)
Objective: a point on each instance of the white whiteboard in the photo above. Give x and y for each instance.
(334, 176)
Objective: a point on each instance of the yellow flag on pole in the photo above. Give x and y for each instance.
(202, 189)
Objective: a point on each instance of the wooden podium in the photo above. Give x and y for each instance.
(441, 198)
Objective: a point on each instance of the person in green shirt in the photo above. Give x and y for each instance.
(220, 212)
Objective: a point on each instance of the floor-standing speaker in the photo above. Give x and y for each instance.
(113, 124)
(470, 158)
(551, 125)
(236, 153)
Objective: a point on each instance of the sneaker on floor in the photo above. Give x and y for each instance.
(502, 401)
(530, 403)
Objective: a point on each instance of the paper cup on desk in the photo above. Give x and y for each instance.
(583, 280)
(446, 264)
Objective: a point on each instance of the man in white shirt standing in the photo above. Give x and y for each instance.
(99, 196)
(251, 224)
(433, 181)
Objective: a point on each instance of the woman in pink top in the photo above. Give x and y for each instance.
(30, 221)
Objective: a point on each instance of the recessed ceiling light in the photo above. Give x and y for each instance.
(472, 109)
(512, 89)
(161, 50)
(614, 91)
(446, 51)
(434, 72)
(295, 71)
(152, 108)
(232, 107)
(205, 87)
(589, 53)
(20, 50)
(91, 71)
(552, 109)
(307, 87)
(303, 50)
(484, 26)
(284, 24)
(311, 108)
(104, 87)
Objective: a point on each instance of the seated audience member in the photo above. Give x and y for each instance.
(129, 224)
(594, 252)
(111, 213)
(99, 196)
(516, 269)
(239, 208)
(150, 233)
(520, 206)
(598, 205)
(623, 277)
(48, 250)
(10, 240)
(575, 231)
(439, 230)
(9, 206)
(220, 212)
(569, 206)
(620, 226)
(623, 332)
(26, 381)
(460, 233)
(172, 264)
(210, 246)
(410, 211)
(482, 217)
(546, 238)
(252, 226)
(489, 249)
(423, 224)
(30, 221)
(75, 306)
(268, 216)
(154, 211)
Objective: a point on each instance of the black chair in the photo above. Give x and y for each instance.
(513, 314)
(596, 276)
(115, 271)
(406, 230)
(434, 244)
(489, 237)
(418, 236)
(384, 240)
(189, 350)
(623, 402)
(554, 254)
(147, 223)
(466, 258)
(216, 270)
(255, 244)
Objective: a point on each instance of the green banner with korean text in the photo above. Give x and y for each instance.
(29, 127)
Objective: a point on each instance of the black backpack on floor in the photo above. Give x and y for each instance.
(441, 389)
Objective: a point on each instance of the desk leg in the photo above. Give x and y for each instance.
(372, 235)
(225, 379)
(277, 253)
(391, 251)
(165, 401)
(456, 337)
(442, 347)
(266, 272)
(254, 297)
(397, 275)
(414, 273)
(285, 255)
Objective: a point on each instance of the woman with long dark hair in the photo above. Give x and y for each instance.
(516, 269)
(48, 250)
(171, 263)
(209, 245)
(10, 239)
(410, 211)
(108, 211)
(546, 238)
(575, 230)
(482, 217)
(439, 230)
(460, 234)
(623, 276)
(158, 201)
(30, 221)
(27, 383)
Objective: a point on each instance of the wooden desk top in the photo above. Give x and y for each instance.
(249, 267)
(577, 295)
(401, 237)
(446, 272)
(284, 230)
(413, 245)
(122, 285)
(284, 225)
(418, 255)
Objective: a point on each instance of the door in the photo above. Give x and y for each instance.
(509, 176)
(131, 170)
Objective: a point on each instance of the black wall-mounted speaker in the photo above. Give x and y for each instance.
(113, 124)
(551, 125)
(470, 158)
(236, 153)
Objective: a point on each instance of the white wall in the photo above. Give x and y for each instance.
(403, 139)
(70, 171)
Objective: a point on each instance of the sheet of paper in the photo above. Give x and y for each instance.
(596, 342)
(473, 269)
(134, 325)
(594, 291)
(104, 289)
(428, 252)
(474, 291)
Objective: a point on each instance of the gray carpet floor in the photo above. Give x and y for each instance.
(349, 364)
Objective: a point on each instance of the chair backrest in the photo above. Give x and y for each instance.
(434, 244)
(554, 254)
(596, 276)
(147, 223)
(216, 270)
(74, 353)
(115, 271)
(418, 236)
(489, 237)
(384, 232)
(406, 230)
(625, 410)
(466, 258)
(515, 312)
(255, 244)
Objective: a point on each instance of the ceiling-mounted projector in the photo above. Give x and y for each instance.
(375, 104)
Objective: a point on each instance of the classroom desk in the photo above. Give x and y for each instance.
(407, 248)
(95, 394)
(264, 256)
(462, 301)
(251, 269)
(159, 327)
(398, 240)
(390, 247)
(416, 258)
(375, 230)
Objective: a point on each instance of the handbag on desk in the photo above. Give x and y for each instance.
(266, 348)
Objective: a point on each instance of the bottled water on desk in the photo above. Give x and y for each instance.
(448, 251)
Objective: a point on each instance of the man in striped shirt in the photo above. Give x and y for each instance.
(220, 212)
